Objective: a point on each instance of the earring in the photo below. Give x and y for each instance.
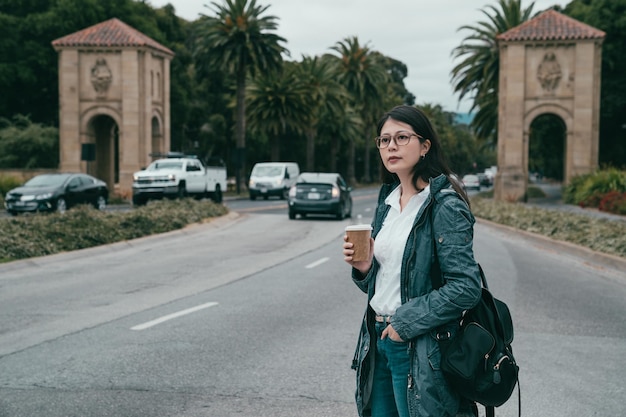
(423, 157)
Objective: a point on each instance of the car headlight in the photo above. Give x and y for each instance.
(335, 192)
(44, 196)
(251, 183)
(292, 192)
(135, 178)
(171, 177)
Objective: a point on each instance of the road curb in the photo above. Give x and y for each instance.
(613, 261)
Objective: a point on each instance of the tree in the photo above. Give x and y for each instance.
(240, 41)
(398, 71)
(364, 76)
(609, 16)
(327, 96)
(278, 101)
(458, 143)
(477, 74)
(335, 129)
(25, 144)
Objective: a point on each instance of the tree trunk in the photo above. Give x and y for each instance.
(367, 178)
(310, 151)
(274, 148)
(351, 163)
(240, 126)
(334, 149)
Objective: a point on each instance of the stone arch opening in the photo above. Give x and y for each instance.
(157, 142)
(547, 148)
(103, 132)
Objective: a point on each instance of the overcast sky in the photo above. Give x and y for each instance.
(419, 33)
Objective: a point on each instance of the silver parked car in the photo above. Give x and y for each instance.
(471, 182)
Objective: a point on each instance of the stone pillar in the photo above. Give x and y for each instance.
(511, 179)
(69, 111)
(131, 146)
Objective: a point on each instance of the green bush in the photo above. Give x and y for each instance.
(535, 192)
(613, 202)
(7, 183)
(82, 227)
(588, 190)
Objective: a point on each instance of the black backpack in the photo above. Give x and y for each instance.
(478, 360)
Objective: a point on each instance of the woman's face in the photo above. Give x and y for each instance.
(400, 159)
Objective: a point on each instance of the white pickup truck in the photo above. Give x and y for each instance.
(178, 176)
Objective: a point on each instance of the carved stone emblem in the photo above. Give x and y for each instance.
(101, 77)
(549, 73)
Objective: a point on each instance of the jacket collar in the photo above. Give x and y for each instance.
(436, 184)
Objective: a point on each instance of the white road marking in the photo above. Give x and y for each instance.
(172, 316)
(316, 263)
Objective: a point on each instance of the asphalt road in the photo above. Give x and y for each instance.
(255, 315)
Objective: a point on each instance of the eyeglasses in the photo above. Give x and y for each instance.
(401, 139)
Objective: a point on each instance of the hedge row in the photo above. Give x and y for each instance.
(82, 227)
(602, 235)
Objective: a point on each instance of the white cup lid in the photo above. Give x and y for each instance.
(356, 227)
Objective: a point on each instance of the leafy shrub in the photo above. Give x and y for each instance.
(7, 183)
(535, 192)
(587, 190)
(613, 202)
(83, 227)
(592, 200)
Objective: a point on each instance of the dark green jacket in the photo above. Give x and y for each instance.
(424, 311)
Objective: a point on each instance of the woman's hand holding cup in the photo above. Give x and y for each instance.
(358, 247)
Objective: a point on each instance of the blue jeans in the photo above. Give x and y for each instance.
(389, 386)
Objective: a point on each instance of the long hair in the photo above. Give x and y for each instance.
(435, 162)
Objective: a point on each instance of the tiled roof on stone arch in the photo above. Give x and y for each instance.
(551, 26)
(110, 33)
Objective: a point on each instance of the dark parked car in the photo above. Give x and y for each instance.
(57, 192)
(484, 180)
(320, 193)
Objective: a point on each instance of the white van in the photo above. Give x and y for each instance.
(272, 178)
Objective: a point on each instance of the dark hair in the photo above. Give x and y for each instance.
(434, 162)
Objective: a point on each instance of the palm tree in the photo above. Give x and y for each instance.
(239, 41)
(278, 101)
(477, 74)
(365, 79)
(327, 96)
(336, 128)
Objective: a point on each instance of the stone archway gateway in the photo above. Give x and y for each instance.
(114, 100)
(548, 65)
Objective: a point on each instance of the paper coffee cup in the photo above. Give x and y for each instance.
(359, 235)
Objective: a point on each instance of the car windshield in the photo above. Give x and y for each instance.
(317, 177)
(157, 165)
(46, 180)
(267, 171)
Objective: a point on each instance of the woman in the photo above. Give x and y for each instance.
(420, 206)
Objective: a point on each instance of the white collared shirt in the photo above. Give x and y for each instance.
(389, 249)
